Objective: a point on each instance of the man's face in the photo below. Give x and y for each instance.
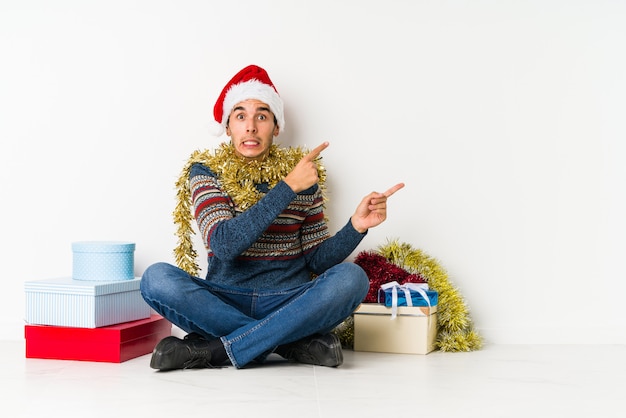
(251, 129)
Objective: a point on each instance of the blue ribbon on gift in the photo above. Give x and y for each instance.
(408, 294)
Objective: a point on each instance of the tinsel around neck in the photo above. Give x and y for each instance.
(239, 178)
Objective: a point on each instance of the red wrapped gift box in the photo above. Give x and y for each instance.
(113, 343)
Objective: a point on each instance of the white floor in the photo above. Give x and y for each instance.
(498, 381)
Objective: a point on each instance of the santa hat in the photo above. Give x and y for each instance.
(250, 83)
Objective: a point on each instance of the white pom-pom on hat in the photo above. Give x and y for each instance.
(215, 129)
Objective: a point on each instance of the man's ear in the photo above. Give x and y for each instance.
(276, 130)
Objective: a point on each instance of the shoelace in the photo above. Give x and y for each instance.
(199, 358)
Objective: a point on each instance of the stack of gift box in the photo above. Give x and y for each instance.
(97, 314)
(404, 320)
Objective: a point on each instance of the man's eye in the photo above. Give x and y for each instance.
(262, 117)
(240, 116)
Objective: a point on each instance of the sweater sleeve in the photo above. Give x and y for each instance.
(335, 249)
(223, 233)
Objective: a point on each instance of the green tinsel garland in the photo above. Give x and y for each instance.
(456, 332)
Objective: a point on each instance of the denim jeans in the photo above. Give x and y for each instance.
(252, 323)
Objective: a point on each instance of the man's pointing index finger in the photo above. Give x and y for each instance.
(316, 151)
(394, 189)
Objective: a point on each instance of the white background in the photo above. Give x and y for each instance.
(505, 119)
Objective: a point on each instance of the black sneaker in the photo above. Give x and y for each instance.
(319, 350)
(173, 353)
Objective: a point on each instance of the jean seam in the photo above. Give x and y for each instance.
(227, 343)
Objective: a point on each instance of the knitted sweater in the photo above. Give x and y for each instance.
(276, 243)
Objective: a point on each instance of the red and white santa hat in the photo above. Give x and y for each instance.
(250, 83)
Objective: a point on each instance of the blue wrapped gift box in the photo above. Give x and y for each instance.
(84, 304)
(385, 297)
(103, 260)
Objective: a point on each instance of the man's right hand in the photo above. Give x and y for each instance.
(304, 174)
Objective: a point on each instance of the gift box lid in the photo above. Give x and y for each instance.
(382, 310)
(126, 331)
(385, 297)
(67, 285)
(103, 247)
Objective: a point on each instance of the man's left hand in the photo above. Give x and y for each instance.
(372, 211)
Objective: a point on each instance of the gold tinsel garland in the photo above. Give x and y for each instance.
(238, 177)
(456, 331)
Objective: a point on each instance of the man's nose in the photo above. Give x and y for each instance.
(251, 126)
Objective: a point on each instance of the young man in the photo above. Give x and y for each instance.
(276, 280)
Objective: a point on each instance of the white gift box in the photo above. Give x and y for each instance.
(84, 304)
(412, 331)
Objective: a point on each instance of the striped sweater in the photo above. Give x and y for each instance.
(277, 243)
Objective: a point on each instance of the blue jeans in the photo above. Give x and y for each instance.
(252, 323)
